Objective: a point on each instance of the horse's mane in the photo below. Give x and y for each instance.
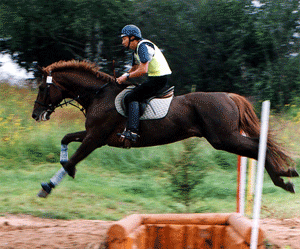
(84, 66)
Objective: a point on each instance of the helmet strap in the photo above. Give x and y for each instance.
(130, 40)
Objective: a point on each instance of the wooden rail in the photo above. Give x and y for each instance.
(182, 231)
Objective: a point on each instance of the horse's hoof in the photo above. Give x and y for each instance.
(290, 187)
(42, 194)
(46, 190)
(293, 172)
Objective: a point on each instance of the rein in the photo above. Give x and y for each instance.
(70, 102)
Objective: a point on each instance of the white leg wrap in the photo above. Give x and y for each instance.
(57, 178)
(64, 153)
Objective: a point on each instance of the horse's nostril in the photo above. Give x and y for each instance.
(34, 116)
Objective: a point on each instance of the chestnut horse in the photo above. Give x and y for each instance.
(219, 117)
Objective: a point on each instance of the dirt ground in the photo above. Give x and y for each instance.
(24, 232)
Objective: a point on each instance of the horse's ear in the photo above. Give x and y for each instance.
(40, 69)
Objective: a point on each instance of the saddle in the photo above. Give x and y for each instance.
(156, 107)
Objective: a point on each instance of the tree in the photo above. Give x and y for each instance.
(275, 23)
(217, 45)
(35, 27)
(49, 31)
(201, 39)
(185, 173)
(222, 28)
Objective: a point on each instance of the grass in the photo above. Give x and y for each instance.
(112, 183)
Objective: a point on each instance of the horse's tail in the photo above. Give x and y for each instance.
(248, 121)
(250, 125)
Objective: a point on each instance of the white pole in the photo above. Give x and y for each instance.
(243, 184)
(260, 171)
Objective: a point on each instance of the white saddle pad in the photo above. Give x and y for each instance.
(156, 109)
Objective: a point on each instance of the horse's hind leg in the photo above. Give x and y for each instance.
(248, 147)
(234, 143)
(277, 180)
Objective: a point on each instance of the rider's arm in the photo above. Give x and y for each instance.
(140, 70)
(133, 68)
(135, 72)
(146, 52)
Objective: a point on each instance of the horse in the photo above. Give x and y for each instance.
(219, 117)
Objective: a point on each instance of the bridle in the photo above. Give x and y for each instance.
(51, 108)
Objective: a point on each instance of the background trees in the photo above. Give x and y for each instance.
(46, 31)
(217, 45)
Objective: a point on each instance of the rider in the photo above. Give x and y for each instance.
(147, 59)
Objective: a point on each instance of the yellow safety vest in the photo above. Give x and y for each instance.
(158, 66)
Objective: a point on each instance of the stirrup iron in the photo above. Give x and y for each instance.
(128, 134)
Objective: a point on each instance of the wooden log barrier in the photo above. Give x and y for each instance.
(179, 231)
(243, 226)
(119, 235)
(187, 219)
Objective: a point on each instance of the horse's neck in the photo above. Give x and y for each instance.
(86, 87)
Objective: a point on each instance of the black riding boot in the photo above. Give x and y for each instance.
(133, 122)
(133, 116)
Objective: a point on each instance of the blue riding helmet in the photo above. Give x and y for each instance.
(131, 30)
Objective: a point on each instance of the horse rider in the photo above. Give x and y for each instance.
(146, 59)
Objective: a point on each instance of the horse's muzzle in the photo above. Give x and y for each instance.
(43, 116)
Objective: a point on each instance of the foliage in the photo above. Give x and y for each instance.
(275, 25)
(185, 172)
(222, 45)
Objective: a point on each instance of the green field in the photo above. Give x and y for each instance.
(112, 183)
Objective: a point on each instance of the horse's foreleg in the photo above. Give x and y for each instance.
(89, 144)
(71, 137)
(57, 178)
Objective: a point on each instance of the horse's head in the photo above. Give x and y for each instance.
(49, 96)
(80, 81)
